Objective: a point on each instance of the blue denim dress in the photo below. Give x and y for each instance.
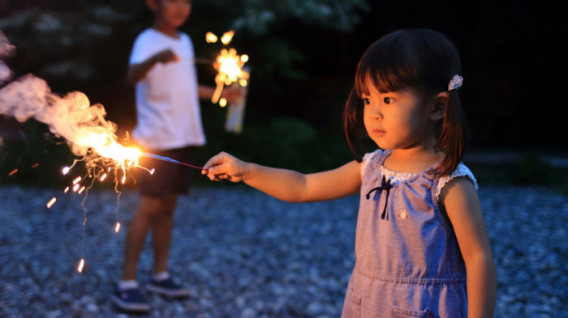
(408, 262)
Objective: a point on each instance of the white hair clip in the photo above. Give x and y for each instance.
(455, 83)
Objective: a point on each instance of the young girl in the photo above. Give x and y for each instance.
(421, 247)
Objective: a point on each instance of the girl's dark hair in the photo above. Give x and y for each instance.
(422, 59)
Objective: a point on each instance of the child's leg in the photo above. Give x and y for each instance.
(150, 207)
(162, 234)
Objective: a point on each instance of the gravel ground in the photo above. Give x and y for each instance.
(244, 254)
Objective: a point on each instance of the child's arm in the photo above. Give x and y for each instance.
(462, 206)
(138, 71)
(287, 185)
(230, 93)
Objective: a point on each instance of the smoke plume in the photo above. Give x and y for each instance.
(70, 116)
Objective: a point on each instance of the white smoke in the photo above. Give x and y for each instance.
(6, 49)
(71, 116)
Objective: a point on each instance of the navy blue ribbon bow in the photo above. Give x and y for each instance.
(385, 185)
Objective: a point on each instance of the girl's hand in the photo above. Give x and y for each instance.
(224, 166)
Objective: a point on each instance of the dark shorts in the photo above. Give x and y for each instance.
(168, 178)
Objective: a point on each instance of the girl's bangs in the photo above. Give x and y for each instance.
(389, 65)
(384, 78)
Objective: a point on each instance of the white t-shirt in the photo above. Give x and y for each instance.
(167, 101)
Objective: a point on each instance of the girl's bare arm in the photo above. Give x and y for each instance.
(284, 184)
(463, 208)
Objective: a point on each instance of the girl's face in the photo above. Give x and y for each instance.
(397, 120)
(172, 13)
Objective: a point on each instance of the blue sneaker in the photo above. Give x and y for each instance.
(131, 300)
(168, 288)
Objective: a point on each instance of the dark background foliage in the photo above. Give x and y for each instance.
(303, 58)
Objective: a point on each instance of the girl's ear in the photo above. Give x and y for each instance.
(152, 5)
(439, 106)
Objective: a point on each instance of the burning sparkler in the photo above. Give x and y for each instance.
(90, 137)
(229, 66)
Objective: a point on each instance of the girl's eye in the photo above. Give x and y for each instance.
(387, 100)
(366, 101)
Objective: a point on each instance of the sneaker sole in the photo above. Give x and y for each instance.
(129, 306)
(167, 292)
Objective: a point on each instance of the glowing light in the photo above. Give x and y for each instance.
(222, 102)
(81, 265)
(105, 144)
(123, 179)
(103, 177)
(75, 187)
(13, 172)
(77, 180)
(210, 37)
(65, 170)
(152, 171)
(51, 202)
(117, 227)
(66, 190)
(227, 37)
(35, 165)
(229, 67)
(81, 190)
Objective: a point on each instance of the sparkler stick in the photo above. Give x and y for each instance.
(150, 155)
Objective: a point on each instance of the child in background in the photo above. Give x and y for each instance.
(422, 249)
(168, 124)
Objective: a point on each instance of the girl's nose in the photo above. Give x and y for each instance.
(376, 112)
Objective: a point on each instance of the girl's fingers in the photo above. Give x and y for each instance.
(213, 161)
(220, 167)
(222, 177)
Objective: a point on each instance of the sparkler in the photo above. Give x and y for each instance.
(72, 117)
(229, 66)
(168, 159)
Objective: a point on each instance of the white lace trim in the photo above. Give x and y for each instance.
(397, 176)
(392, 175)
(461, 171)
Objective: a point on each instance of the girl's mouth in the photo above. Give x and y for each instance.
(378, 132)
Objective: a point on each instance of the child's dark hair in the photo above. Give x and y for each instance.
(422, 59)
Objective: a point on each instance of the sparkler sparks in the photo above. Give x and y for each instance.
(51, 202)
(81, 265)
(72, 117)
(210, 37)
(229, 66)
